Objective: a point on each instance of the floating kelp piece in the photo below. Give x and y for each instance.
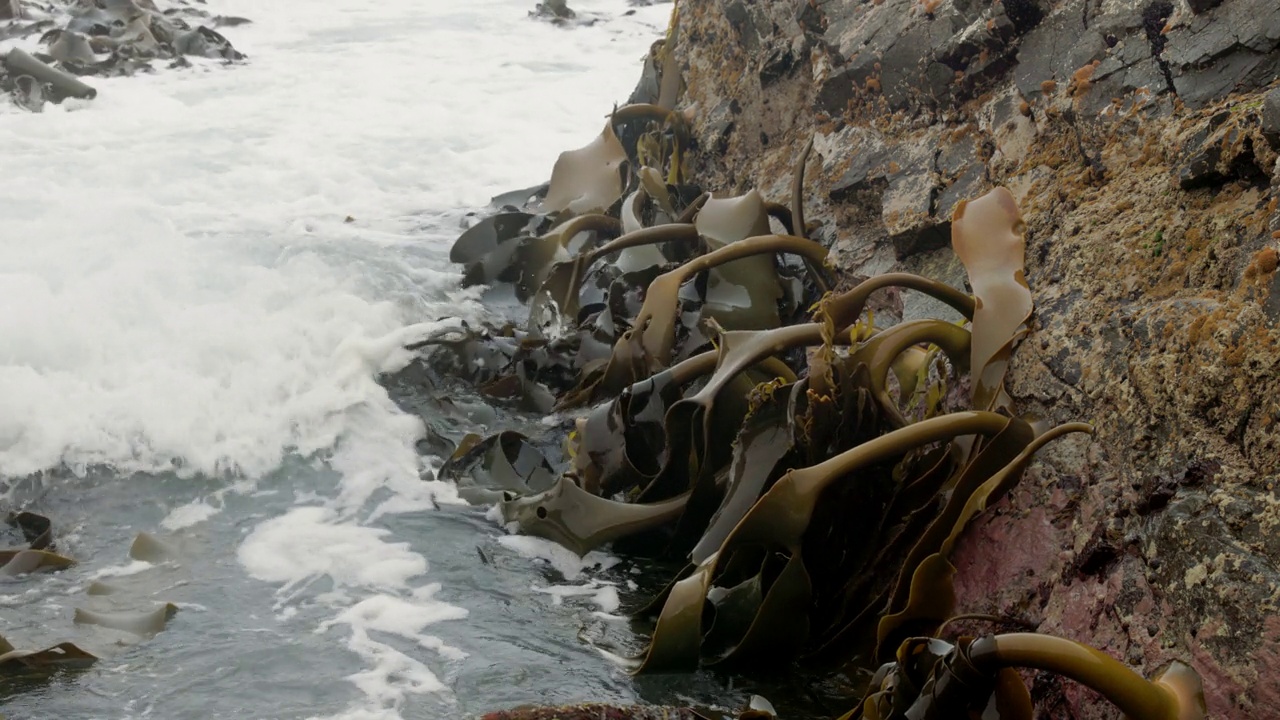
(988, 236)
(205, 42)
(148, 548)
(21, 562)
(143, 623)
(488, 470)
(28, 93)
(97, 587)
(36, 529)
(582, 521)
(62, 84)
(589, 179)
(34, 664)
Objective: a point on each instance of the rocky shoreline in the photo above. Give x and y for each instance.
(108, 38)
(1140, 141)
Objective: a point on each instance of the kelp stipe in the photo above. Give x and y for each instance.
(936, 680)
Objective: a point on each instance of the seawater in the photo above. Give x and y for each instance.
(202, 274)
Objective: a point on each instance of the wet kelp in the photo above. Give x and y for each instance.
(114, 615)
(105, 38)
(811, 469)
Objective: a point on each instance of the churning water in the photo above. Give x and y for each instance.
(202, 273)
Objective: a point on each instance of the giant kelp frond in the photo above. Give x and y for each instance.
(809, 469)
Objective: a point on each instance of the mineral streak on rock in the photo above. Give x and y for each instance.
(1140, 141)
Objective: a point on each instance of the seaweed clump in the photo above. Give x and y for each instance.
(811, 469)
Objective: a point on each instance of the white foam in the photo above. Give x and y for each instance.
(602, 594)
(310, 542)
(564, 560)
(184, 516)
(180, 289)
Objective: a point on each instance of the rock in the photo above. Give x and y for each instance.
(28, 93)
(1218, 153)
(907, 209)
(1149, 320)
(1233, 47)
(1271, 118)
(1200, 6)
(10, 9)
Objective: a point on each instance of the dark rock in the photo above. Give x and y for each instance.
(834, 94)
(869, 170)
(968, 185)
(907, 209)
(775, 65)
(10, 9)
(1199, 6)
(1271, 118)
(740, 19)
(1234, 47)
(1056, 48)
(1219, 153)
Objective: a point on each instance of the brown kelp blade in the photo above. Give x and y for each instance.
(743, 294)
(507, 462)
(647, 347)
(779, 520)
(623, 443)
(565, 278)
(588, 179)
(533, 257)
(930, 598)
(36, 529)
(487, 235)
(880, 351)
(582, 521)
(139, 623)
(988, 236)
(19, 664)
(21, 562)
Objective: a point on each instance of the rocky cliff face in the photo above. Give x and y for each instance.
(1140, 141)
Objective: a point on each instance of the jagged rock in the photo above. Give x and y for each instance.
(907, 209)
(1157, 306)
(1271, 118)
(1229, 48)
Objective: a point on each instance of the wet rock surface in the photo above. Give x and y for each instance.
(103, 38)
(1140, 141)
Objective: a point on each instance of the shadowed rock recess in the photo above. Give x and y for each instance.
(1067, 211)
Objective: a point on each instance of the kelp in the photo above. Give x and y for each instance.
(931, 679)
(807, 465)
(39, 553)
(38, 665)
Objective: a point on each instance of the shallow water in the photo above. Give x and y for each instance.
(190, 337)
